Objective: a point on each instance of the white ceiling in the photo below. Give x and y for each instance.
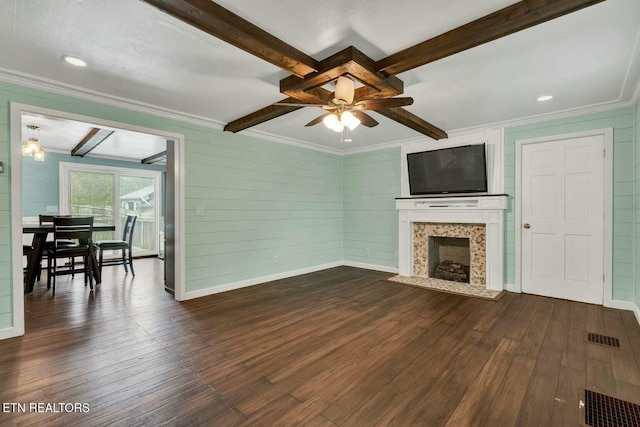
(137, 53)
(62, 135)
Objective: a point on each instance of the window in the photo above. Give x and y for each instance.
(109, 194)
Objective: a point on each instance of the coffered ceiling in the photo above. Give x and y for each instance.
(137, 54)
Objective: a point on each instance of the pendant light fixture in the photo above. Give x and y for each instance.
(31, 147)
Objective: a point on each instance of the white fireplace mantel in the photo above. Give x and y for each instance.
(488, 210)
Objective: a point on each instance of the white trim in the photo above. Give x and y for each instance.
(625, 305)
(286, 274)
(258, 280)
(16, 111)
(512, 288)
(16, 220)
(35, 82)
(375, 267)
(607, 133)
(538, 118)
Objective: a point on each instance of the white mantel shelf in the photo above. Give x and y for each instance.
(481, 209)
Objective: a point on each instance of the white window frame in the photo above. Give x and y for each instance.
(65, 169)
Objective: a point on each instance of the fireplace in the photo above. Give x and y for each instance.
(449, 258)
(460, 244)
(458, 227)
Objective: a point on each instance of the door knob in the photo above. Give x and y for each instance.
(526, 225)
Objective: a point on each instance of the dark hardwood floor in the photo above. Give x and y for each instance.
(337, 347)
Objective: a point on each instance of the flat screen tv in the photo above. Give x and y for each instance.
(449, 170)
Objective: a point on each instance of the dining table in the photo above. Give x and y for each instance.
(40, 233)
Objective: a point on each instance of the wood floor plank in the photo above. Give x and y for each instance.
(485, 385)
(538, 403)
(336, 347)
(505, 406)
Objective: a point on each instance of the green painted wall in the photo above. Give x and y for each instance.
(622, 122)
(260, 199)
(371, 182)
(269, 208)
(40, 179)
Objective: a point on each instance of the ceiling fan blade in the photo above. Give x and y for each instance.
(365, 119)
(317, 120)
(383, 104)
(345, 88)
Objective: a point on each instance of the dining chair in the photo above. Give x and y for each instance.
(48, 219)
(125, 245)
(78, 231)
(26, 251)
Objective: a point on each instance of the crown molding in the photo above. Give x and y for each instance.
(41, 83)
(572, 112)
(36, 82)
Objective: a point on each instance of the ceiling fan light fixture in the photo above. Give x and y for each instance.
(345, 89)
(333, 122)
(349, 120)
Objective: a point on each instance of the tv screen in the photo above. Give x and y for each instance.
(449, 170)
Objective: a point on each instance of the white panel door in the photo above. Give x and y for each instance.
(562, 233)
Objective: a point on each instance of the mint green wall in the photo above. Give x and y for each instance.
(40, 179)
(622, 122)
(371, 183)
(260, 199)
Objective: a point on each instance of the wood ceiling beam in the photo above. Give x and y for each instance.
(350, 62)
(408, 119)
(229, 27)
(261, 116)
(91, 140)
(509, 20)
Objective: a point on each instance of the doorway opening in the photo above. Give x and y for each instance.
(172, 227)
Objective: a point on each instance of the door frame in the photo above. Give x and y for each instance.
(16, 111)
(607, 221)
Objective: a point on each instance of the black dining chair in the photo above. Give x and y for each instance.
(27, 250)
(124, 245)
(78, 231)
(48, 219)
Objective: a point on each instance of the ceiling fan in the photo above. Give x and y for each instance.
(343, 111)
(304, 87)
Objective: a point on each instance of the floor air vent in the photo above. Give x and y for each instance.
(602, 410)
(603, 340)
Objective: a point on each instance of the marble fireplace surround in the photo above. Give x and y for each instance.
(487, 210)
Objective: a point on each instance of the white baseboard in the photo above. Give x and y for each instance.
(512, 288)
(624, 305)
(257, 280)
(264, 279)
(11, 332)
(371, 266)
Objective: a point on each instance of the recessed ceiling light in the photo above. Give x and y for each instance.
(74, 61)
(545, 98)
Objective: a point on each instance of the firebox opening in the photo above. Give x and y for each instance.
(449, 258)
